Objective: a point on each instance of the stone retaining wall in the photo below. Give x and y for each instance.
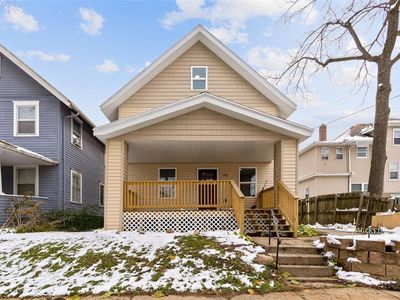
(374, 257)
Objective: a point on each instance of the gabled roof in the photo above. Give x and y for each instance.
(199, 33)
(203, 100)
(35, 76)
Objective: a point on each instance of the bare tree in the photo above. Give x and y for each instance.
(328, 44)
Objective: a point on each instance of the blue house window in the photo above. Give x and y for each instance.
(26, 118)
(76, 133)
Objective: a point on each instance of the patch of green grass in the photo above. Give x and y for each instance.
(306, 230)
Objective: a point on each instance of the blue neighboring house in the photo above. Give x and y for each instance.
(47, 147)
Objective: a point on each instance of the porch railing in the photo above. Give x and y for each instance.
(266, 198)
(184, 194)
(288, 204)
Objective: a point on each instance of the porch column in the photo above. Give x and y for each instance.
(285, 163)
(116, 172)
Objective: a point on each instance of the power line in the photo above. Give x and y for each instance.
(356, 112)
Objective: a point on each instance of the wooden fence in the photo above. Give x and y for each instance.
(341, 208)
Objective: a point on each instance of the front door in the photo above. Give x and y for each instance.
(208, 189)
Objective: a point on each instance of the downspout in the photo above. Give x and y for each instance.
(1, 182)
(349, 169)
(63, 156)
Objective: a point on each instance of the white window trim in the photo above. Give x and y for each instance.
(249, 182)
(327, 153)
(191, 78)
(80, 181)
(398, 170)
(336, 153)
(26, 103)
(395, 130)
(101, 184)
(363, 184)
(362, 157)
(15, 188)
(72, 133)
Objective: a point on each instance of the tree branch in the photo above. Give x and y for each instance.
(329, 60)
(395, 59)
(357, 41)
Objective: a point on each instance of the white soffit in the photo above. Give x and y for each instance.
(199, 33)
(211, 102)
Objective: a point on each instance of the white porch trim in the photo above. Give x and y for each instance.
(203, 100)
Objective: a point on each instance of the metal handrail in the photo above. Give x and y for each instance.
(275, 222)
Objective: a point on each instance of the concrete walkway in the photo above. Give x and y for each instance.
(345, 293)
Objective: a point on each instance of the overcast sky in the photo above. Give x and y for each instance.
(89, 49)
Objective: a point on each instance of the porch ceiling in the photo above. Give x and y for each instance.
(200, 151)
(13, 155)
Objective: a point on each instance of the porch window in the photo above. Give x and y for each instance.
(26, 180)
(101, 194)
(324, 153)
(76, 187)
(167, 190)
(362, 152)
(26, 118)
(359, 187)
(199, 78)
(248, 181)
(339, 152)
(396, 136)
(394, 171)
(76, 133)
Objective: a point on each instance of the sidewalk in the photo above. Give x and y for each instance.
(347, 293)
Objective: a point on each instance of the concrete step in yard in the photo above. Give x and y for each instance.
(301, 271)
(301, 259)
(330, 279)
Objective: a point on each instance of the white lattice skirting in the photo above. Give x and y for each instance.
(180, 220)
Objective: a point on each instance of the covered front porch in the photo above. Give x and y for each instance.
(205, 154)
(19, 175)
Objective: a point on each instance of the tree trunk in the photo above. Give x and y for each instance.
(378, 158)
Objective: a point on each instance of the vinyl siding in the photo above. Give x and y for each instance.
(203, 124)
(174, 84)
(188, 171)
(116, 166)
(15, 85)
(89, 161)
(285, 162)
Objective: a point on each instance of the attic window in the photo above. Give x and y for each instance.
(199, 78)
(76, 133)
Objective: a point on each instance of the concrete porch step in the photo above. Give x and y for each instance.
(301, 259)
(307, 271)
(293, 249)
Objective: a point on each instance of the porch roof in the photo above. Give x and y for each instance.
(11, 154)
(208, 101)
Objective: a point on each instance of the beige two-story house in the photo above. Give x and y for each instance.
(195, 138)
(343, 164)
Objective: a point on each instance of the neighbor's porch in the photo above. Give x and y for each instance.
(19, 175)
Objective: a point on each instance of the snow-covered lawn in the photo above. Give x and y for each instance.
(103, 262)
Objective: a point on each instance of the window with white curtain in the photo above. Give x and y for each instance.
(248, 181)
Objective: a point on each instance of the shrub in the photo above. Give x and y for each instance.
(83, 219)
(306, 230)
